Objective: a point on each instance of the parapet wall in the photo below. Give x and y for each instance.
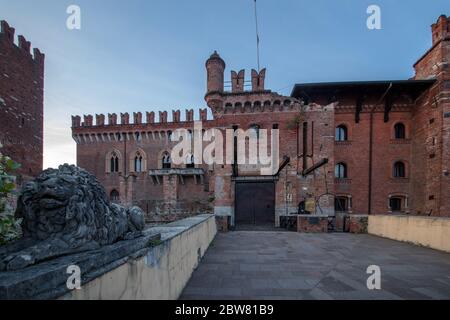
(113, 120)
(163, 272)
(424, 231)
(157, 265)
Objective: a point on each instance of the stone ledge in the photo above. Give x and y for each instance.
(47, 280)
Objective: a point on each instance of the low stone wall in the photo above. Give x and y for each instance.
(357, 223)
(157, 265)
(163, 272)
(433, 232)
(312, 223)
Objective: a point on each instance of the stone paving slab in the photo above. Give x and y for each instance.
(260, 265)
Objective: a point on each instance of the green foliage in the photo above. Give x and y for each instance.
(9, 226)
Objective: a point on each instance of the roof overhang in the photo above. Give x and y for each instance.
(415, 87)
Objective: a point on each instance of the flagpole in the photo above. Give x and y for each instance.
(257, 37)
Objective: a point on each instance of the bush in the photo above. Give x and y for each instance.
(9, 226)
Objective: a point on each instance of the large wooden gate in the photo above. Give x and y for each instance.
(255, 203)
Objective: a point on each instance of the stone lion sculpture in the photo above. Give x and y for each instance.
(66, 211)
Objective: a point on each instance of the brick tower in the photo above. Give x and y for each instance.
(431, 151)
(21, 102)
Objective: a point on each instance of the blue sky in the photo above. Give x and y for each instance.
(148, 55)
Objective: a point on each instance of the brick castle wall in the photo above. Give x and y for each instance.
(369, 112)
(21, 102)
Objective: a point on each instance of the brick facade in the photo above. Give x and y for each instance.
(394, 157)
(21, 102)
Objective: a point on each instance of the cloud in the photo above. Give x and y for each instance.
(59, 147)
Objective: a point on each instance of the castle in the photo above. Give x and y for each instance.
(21, 102)
(345, 148)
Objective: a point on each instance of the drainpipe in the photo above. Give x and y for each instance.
(369, 202)
(125, 167)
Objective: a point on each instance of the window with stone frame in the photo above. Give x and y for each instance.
(399, 131)
(114, 163)
(341, 133)
(138, 162)
(341, 204)
(399, 170)
(340, 171)
(396, 204)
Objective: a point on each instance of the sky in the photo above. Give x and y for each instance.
(149, 55)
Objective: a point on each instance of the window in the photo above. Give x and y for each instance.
(190, 161)
(341, 204)
(399, 131)
(114, 163)
(395, 204)
(341, 133)
(166, 161)
(138, 163)
(399, 170)
(340, 171)
(114, 196)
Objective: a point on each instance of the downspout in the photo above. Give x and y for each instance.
(125, 167)
(305, 144)
(369, 202)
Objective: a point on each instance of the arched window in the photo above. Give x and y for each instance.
(138, 162)
(166, 161)
(399, 170)
(400, 131)
(340, 171)
(341, 133)
(114, 163)
(190, 161)
(114, 196)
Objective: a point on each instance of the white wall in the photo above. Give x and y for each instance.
(433, 232)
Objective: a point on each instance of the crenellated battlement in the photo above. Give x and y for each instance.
(100, 119)
(7, 34)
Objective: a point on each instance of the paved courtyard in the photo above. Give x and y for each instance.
(287, 265)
